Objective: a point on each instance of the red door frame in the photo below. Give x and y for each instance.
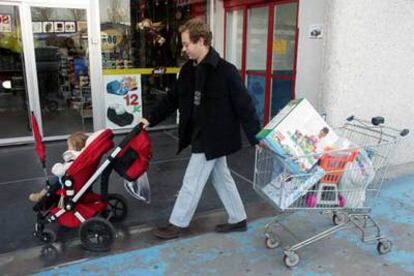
(244, 5)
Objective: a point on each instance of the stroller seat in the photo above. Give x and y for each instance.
(78, 174)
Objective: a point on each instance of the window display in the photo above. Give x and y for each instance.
(61, 52)
(143, 34)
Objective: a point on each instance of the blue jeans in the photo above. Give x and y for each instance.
(196, 175)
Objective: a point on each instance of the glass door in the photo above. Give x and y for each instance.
(283, 56)
(14, 111)
(256, 57)
(234, 37)
(60, 38)
(261, 40)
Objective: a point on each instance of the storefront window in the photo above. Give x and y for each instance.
(61, 51)
(140, 41)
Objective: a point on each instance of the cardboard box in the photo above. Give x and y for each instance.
(284, 189)
(297, 133)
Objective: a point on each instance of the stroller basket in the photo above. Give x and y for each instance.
(133, 160)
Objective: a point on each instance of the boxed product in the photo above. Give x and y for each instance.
(297, 133)
(284, 190)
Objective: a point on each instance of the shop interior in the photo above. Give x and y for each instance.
(144, 34)
(13, 97)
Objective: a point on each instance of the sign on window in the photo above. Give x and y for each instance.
(5, 23)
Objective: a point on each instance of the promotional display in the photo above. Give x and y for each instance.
(123, 100)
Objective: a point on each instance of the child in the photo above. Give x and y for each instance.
(76, 142)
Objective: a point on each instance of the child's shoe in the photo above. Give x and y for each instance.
(36, 197)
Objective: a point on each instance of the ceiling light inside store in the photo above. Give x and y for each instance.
(6, 84)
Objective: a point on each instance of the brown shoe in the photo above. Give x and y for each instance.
(167, 232)
(232, 227)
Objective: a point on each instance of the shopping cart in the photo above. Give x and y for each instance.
(344, 184)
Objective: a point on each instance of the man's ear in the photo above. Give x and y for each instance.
(201, 41)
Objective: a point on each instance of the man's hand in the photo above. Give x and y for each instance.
(144, 122)
(260, 145)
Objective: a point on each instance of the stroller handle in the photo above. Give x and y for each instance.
(135, 131)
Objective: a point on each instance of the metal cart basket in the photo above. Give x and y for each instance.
(345, 184)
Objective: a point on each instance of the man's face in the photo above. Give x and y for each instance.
(192, 50)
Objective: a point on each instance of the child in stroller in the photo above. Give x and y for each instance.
(84, 208)
(75, 142)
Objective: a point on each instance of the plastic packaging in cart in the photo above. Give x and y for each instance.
(298, 130)
(285, 189)
(357, 176)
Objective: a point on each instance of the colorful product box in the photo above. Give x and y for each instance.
(298, 134)
(284, 190)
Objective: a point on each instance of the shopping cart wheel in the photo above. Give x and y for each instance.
(384, 246)
(97, 234)
(272, 242)
(48, 236)
(340, 218)
(291, 259)
(117, 208)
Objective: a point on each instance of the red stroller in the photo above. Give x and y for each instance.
(76, 205)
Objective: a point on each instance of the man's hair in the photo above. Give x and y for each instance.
(77, 140)
(197, 28)
(325, 130)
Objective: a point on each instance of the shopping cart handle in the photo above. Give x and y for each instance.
(377, 120)
(404, 132)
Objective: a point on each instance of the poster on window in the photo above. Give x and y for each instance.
(123, 100)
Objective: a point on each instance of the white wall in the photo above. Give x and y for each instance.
(310, 52)
(369, 63)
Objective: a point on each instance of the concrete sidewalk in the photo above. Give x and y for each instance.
(246, 254)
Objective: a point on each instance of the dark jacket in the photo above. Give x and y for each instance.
(225, 105)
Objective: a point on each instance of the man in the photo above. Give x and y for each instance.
(212, 103)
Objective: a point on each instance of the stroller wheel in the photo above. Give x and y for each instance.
(49, 253)
(97, 234)
(117, 208)
(48, 236)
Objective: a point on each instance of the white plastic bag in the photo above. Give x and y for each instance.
(355, 180)
(139, 189)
